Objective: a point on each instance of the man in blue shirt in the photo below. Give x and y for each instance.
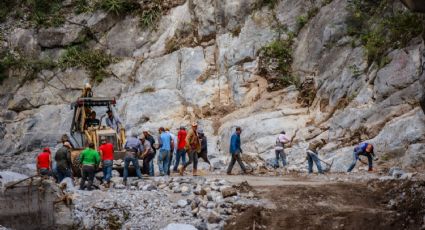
(165, 143)
(133, 147)
(235, 151)
(364, 149)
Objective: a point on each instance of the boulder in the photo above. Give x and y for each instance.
(182, 203)
(229, 191)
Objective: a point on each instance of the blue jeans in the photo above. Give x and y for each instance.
(312, 157)
(280, 154)
(107, 170)
(163, 161)
(356, 157)
(62, 173)
(180, 154)
(135, 162)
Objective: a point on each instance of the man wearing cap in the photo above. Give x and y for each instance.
(147, 154)
(193, 147)
(235, 151)
(312, 156)
(44, 163)
(281, 140)
(364, 149)
(63, 161)
(92, 120)
(106, 150)
(133, 148)
(165, 143)
(90, 160)
(112, 121)
(151, 140)
(181, 152)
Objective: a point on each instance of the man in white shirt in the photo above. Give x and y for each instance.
(281, 140)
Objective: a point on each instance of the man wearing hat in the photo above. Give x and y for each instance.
(106, 150)
(63, 161)
(133, 148)
(147, 154)
(148, 136)
(193, 147)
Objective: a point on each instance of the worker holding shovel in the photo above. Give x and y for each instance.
(312, 157)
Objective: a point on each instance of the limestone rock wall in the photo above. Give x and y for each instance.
(212, 77)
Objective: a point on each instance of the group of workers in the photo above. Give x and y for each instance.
(191, 143)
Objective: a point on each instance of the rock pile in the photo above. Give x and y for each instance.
(153, 203)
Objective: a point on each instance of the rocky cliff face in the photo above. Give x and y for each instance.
(202, 61)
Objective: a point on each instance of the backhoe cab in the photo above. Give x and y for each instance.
(84, 131)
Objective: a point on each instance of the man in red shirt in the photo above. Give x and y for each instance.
(106, 150)
(181, 152)
(44, 163)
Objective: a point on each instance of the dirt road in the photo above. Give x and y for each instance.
(311, 203)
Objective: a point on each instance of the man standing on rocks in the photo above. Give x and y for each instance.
(364, 149)
(165, 143)
(235, 151)
(181, 143)
(63, 162)
(44, 163)
(151, 140)
(204, 147)
(106, 150)
(133, 148)
(312, 156)
(90, 160)
(173, 151)
(147, 154)
(281, 140)
(193, 147)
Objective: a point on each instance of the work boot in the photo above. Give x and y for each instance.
(124, 182)
(370, 170)
(229, 173)
(181, 170)
(195, 172)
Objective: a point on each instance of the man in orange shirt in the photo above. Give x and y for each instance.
(106, 150)
(44, 163)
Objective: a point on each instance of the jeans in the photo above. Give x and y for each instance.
(193, 158)
(45, 172)
(181, 153)
(135, 162)
(282, 155)
(87, 175)
(146, 163)
(107, 170)
(312, 157)
(163, 161)
(356, 157)
(204, 156)
(170, 163)
(236, 157)
(152, 165)
(62, 173)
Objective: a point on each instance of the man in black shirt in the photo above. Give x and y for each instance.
(92, 121)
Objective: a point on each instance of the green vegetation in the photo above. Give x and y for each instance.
(380, 28)
(270, 3)
(303, 19)
(25, 66)
(151, 15)
(95, 61)
(45, 13)
(148, 89)
(280, 52)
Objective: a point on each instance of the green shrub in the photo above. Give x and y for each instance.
(6, 6)
(303, 19)
(280, 51)
(151, 15)
(119, 6)
(27, 66)
(380, 28)
(95, 61)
